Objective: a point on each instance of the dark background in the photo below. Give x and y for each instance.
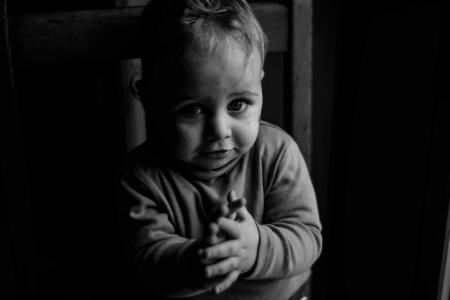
(380, 156)
(383, 172)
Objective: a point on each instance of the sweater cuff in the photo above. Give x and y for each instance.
(261, 254)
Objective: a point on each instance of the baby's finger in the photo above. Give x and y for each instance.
(227, 282)
(230, 227)
(213, 235)
(242, 213)
(210, 283)
(220, 211)
(222, 250)
(211, 238)
(231, 196)
(222, 267)
(233, 207)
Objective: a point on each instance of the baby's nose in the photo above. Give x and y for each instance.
(218, 127)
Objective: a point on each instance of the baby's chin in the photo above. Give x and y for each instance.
(214, 162)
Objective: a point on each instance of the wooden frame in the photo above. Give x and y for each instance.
(300, 52)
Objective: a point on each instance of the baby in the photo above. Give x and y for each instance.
(217, 204)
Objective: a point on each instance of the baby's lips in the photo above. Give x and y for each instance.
(219, 154)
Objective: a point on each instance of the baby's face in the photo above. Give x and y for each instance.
(216, 118)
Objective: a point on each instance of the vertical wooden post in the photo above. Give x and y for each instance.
(13, 171)
(444, 284)
(299, 111)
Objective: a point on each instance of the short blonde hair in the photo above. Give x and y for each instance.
(186, 27)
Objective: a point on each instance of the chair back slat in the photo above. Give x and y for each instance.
(108, 34)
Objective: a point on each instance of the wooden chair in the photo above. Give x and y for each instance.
(35, 40)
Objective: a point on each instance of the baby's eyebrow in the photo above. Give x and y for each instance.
(244, 93)
(191, 99)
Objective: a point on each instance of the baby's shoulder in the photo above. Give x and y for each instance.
(272, 139)
(274, 151)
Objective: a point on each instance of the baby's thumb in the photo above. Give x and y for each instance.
(233, 207)
(242, 213)
(231, 196)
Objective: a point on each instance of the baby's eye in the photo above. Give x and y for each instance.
(238, 105)
(190, 110)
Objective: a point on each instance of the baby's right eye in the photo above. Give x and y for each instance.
(190, 110)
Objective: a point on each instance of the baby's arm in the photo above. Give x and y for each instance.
(290, 229)
(163, 261)
(289, 239)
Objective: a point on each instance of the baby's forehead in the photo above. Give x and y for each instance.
(182, 63)
(195, 69)
(227, 51)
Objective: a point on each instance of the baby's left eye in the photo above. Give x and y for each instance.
(237, 105)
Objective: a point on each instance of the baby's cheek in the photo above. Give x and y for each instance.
(246, 135)
(186, 138)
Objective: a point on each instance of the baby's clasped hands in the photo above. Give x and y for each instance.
(232, 245)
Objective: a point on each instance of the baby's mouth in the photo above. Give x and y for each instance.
(218, 154)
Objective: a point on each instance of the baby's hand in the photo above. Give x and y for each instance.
(213, 235)
(198, 263)
(235, 255)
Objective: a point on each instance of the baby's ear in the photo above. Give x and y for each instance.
(136, 86)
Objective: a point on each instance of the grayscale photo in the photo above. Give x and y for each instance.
(225, 149)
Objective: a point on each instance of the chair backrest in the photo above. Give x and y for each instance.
(109, 34)
(42, 39)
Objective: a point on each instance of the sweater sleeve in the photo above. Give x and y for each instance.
(160, 259)
(290, 232)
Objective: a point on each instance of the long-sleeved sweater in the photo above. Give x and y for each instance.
(167, 205)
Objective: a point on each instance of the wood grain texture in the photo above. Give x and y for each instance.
(109, 34)
(301, 75)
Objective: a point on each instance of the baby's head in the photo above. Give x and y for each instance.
(201, 78)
